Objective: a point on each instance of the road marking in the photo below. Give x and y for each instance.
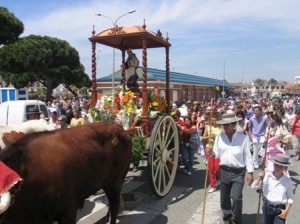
(95, 203)
(213, 213)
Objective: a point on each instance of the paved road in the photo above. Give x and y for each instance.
(184, 204)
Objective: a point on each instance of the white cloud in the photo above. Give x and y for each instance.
(202, 32)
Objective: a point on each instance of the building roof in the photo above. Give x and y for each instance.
(175, 77)
(267, 83)
(293, 86)
(236, 84)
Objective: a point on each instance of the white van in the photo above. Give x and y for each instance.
(16, 112)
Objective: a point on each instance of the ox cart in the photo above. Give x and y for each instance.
(162, 132)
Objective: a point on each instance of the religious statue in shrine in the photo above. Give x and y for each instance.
(131, 65)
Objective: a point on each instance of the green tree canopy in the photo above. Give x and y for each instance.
(272, 83)
(10, 27)
(47, 60)
(259, 83)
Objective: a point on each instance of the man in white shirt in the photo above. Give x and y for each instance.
(232, 148)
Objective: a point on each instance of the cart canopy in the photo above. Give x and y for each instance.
(132, 37)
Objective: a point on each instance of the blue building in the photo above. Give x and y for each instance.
(183, 87)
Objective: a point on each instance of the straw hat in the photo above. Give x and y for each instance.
(282, 159)
(229, 118)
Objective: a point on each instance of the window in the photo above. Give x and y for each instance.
(193, 93)
(43, 109)
(185, 94)
(206, 93)
(201, 95)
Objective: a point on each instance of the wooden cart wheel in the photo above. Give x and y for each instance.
(163, 155)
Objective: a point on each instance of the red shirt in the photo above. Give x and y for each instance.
(296, 127)
(185, 136)
(180, 122)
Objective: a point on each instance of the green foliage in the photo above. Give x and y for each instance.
(138, 148)
(272, 83)
(100, 115)
(259, 82)
(47, 60)
(11, 27)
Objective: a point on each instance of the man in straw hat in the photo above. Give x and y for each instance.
(277, 191)
(33, 113)
(233, 149)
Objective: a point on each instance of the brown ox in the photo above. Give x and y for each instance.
(61, 168)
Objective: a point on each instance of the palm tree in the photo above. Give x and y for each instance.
(258, 83)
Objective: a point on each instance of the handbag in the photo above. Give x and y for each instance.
(195, 141)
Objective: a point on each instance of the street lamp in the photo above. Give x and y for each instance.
(114, 23)
(223, 91)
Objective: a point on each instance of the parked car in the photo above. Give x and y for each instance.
(16, 112)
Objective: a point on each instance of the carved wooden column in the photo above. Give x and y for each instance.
(168, 79)
(145, 120)
(123, 78)
(94, 82)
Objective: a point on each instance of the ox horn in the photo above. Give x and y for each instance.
(5, 200)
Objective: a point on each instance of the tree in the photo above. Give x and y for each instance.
(11, 27)
(258, 83)
(47, 60)
(273, 83)
(78, 78)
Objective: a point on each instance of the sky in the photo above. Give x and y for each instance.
(242, 40)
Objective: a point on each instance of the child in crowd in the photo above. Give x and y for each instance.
(277, 191)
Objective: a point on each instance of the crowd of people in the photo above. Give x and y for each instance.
(64, 113)
(237, 137)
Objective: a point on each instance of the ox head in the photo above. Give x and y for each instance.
(10, 137)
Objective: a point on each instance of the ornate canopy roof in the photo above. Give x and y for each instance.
(132, 37)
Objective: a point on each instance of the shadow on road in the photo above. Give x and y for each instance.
(146, 206)
(251, 218)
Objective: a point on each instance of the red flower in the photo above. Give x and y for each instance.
(117, 100)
